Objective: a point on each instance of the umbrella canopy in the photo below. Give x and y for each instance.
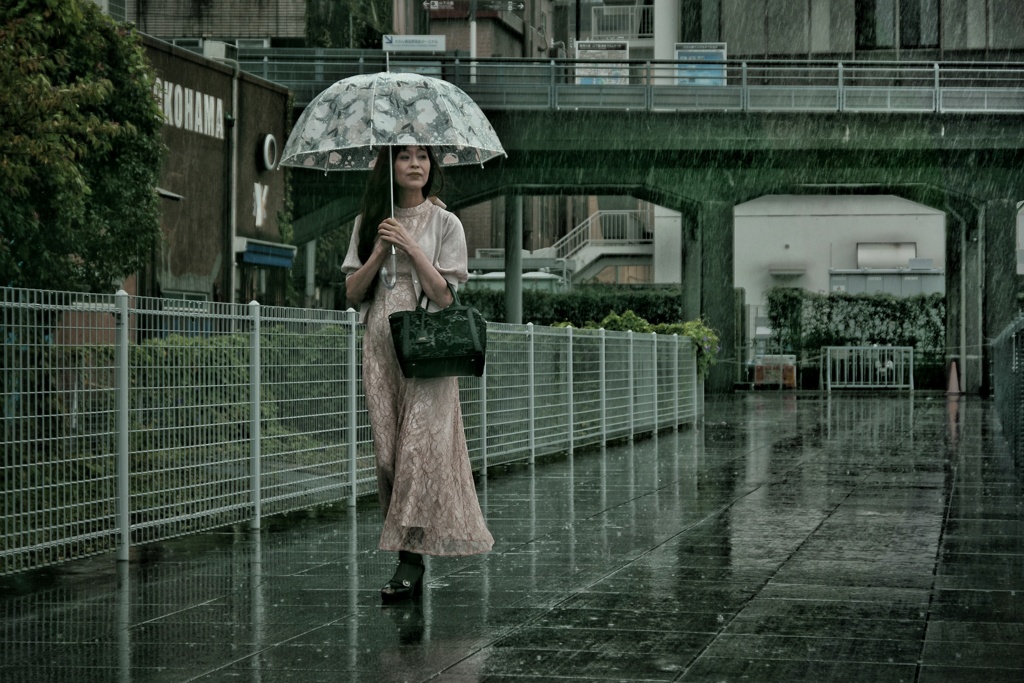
(346, 124)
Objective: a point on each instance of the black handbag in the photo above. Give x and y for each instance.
(446, 343)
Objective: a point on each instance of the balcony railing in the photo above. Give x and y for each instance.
(631, 22)
(673, 86)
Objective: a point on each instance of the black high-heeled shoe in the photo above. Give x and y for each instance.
(407, 583)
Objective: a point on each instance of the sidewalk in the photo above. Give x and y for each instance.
(793, 537)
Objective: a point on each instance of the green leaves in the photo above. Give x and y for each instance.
(80, 148)
(805, 321)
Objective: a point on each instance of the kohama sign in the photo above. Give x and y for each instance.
(190, 109)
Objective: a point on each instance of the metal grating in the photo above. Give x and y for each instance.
(129, 420)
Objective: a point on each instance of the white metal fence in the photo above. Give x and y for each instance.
(869, 367)
(129, 419)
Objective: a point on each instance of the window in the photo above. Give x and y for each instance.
(877, 28)
(875, 24)
(919, 23)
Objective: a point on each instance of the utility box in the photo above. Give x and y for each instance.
(775, 370)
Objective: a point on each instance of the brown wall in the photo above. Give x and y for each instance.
(197, 231)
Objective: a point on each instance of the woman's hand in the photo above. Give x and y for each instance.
(390, 231)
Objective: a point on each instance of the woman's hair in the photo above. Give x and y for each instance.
(376, 204)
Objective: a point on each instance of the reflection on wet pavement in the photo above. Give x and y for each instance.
(791, 537)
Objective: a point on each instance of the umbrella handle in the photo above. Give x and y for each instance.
(389, 273)
(390, 276)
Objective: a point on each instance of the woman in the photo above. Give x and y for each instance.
(424, 480)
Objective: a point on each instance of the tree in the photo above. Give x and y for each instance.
(80, 148)
(347, 23)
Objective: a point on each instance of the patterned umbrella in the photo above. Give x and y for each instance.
(345, 125)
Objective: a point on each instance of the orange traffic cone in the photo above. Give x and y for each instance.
(953, 386)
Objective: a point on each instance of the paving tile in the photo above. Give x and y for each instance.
(790, 538)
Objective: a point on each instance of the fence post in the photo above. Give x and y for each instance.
(123, 490)
(531, 393)
(840, 94)
(654, 383)
(601, 382)
(696, 385)
(938, 91)
(570, 398)
(629, 383)
(675, 385)
(254, 414)
(911, 368)
(828, 370)
(353, 418)
(552, 85)
(649, 90)
(744, 90)
(483, 421)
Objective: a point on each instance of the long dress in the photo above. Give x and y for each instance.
(424, 478)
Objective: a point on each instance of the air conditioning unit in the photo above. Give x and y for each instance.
(218, 49)
(253, 43)
(188, 43)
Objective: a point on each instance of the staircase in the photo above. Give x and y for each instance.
(605, 238)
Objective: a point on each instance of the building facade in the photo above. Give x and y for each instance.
(223, 195)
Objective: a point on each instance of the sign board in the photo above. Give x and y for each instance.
(606, 73)
(481, 5)
(696, 65)
(399, 43)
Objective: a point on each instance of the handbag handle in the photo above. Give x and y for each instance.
(425, 301)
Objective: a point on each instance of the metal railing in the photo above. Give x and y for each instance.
(129, 419)
(670, 86)
(869, 367)
(605, 228)
(634, 22)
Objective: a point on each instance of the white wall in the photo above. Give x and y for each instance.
(668, 246)
(808, 234)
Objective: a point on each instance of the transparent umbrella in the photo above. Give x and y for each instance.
(344, 127)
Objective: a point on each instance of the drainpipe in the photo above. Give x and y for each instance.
(472, 41)
(233, 171)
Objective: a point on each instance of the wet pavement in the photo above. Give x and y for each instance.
(792, 537)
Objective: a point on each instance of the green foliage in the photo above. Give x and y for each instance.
(80, 148)
(190, 422)
(582, 305)
(646, 310)
(805, 321)
(705, 340)
(355, 24)
(627, 322)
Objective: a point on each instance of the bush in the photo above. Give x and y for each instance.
(805, 322)
(583, 305)
(705, 340)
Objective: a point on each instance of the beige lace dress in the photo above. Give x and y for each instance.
(425, 482)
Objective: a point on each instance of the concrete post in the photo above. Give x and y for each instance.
(998, 236)
(717, 301)
(514, 259)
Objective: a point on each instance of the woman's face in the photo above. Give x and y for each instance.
(412, 167)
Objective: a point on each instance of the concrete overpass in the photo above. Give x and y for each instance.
(967, 163)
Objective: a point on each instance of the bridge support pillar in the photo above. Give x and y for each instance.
(708, 283)
(998, 228)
